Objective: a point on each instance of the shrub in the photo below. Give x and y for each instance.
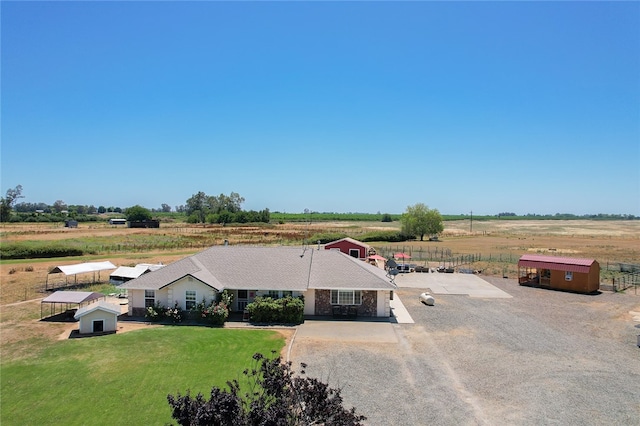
(276, 396)
(217, 314)
(155, 313)
(288, 310)
(28, 268)
(175, 314)
(212, 313)
(326, 237)
(388, 236)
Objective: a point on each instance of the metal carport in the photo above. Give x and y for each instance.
(80, 268)
(66, 298)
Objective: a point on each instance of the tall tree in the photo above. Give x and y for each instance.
(421, 220)
(7, 202)
(198, 205)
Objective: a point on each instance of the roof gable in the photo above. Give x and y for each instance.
(99, 306)
(347, 240)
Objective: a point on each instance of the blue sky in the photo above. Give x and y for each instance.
(526, 107)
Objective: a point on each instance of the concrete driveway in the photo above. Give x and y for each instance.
(538, 357)
(441, 283)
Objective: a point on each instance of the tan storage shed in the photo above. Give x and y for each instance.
(559, 273)
(101, 317)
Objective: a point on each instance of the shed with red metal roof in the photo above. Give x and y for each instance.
(559, 273)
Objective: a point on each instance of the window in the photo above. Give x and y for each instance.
(190, 300)
(242, 294)
(149, 298)
(274, 294)
(354, 253)
(287, 293)
(346, 297)
(568, 275)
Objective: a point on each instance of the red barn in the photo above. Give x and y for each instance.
(560, 273)
(353, 248)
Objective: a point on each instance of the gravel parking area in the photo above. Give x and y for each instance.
(539, 357)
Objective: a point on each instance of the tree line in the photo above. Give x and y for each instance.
(199, 208)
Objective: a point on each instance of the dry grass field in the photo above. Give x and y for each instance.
(21, 281)
(606, 241)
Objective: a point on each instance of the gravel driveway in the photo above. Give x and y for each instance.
(540, 357)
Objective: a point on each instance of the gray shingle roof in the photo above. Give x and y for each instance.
(268, 268)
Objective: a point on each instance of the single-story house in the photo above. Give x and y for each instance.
(126, 273)
(353, 248)
(559, 273)
(98, 317)
(326, 279)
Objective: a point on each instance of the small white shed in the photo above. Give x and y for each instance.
(98, 318)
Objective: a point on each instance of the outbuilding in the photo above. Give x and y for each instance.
(101, 317)
(353, 248)
(559, 273)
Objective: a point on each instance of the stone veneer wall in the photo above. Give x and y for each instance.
(139, 312)
(368, 308)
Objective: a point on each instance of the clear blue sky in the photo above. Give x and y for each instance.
(525, 107)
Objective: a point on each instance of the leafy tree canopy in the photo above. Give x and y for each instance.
(201, 205)
(420, 220)
(137, 213)
(7, 202)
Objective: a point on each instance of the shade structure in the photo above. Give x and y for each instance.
(80, 268)
(66, 298)
(402, 256)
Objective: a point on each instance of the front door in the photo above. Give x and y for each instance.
(98, 326)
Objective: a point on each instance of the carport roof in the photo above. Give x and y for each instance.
(555, 263)
(82, 268)
(72, 297)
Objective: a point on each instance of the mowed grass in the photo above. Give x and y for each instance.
(125, 378)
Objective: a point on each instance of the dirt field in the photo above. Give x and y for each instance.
(21, 281)
(605, 241)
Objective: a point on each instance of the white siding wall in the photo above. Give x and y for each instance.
(384, 309)
(176, 292)
(86, 322)
(310, 302)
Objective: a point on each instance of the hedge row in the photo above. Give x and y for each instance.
(288, 310)
(15, 251)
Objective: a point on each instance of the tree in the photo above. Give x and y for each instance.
(420, 220)
(198, 205)
(7, 202)
(137, 213)
(201, 205)
(59, 206)
(166, 208)
(277, 397)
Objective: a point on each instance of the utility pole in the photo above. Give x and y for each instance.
(471, 223)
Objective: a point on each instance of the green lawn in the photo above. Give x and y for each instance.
(125, 378)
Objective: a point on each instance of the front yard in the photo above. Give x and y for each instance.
(125, 378)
